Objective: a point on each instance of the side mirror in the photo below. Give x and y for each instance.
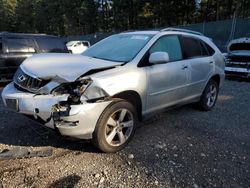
(158, 58)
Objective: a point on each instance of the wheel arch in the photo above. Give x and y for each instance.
(216, 78)
(134, 98)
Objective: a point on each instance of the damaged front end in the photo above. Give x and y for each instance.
(238, 58)
(72, 107)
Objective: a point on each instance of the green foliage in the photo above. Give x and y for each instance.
(77, 17)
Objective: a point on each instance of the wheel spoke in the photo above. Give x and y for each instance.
(208, 95)
(111, 136)
(211, 88)
(209, 101)
(121, 137)
(128, 124)
(111, 122)
(213, 91)
(122, 115)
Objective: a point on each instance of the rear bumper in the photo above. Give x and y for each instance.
(76, 121)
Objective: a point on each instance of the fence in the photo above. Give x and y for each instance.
(220, 31)
(223, 31)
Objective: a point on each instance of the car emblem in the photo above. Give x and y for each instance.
(21, 78)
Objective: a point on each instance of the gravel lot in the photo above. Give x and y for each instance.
(178, 148)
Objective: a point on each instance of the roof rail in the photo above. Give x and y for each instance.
(181, 30)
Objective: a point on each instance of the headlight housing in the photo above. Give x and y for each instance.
(74, 89)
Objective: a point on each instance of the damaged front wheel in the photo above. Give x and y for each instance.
(115, 127)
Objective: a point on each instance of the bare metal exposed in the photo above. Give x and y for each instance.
(103, 93)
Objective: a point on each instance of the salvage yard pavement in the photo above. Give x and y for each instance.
(182, 147)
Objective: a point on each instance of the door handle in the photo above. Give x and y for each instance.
(184, 67)
(211, 62)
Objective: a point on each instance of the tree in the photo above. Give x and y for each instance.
(7, 15)
(24, 16)
(77, 17)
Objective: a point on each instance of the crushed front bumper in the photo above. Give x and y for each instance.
(238, 68)
(243, 72)
(76, 121)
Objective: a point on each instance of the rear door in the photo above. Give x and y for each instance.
(200, 64)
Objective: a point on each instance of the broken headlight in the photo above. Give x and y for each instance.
(74, 89)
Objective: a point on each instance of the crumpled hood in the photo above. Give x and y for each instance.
(65, 66)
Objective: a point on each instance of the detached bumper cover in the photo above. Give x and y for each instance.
(77, 121)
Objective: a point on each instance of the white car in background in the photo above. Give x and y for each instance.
(77, 47)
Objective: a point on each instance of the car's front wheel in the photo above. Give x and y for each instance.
(209, 96)
(115, 127)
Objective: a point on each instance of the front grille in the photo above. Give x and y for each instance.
(25, 82)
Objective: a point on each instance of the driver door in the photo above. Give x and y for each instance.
(167, 83)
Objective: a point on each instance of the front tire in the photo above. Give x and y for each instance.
(209, 96)
(115, 127)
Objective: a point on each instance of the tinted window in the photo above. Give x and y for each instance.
(169, 44)
(51, 45)
(204, 51)
(191, 47)
(20, 45)
(210, 50)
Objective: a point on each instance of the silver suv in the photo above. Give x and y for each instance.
(104, 92)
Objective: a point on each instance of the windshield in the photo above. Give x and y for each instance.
(71, 43)
(119, 48)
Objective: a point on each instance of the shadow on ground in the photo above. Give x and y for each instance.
(66, 182)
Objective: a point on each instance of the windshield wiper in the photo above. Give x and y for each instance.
(109, 59)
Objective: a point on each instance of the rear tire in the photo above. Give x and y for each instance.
(115, 127)
(209, 96)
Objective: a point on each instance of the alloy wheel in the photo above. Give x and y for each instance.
(211, 95)
(119, 127)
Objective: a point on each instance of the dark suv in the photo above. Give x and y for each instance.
(15, 47)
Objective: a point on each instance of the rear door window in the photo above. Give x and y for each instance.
(209, 49)
(191, 47)
(20, 45)
(169, 44)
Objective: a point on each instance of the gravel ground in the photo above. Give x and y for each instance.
(178, 148)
